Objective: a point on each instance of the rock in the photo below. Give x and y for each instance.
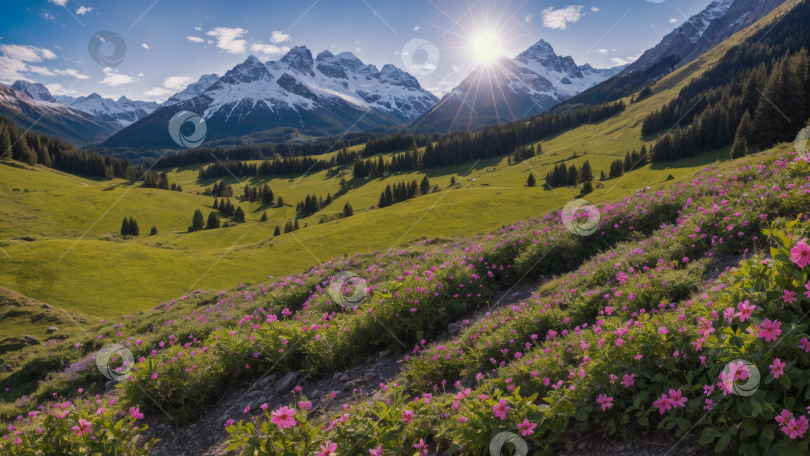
(582, 445)
(267, 380)
(337, 375)
(344, 378)
(371, 359)
(32, 340)
(52, 329)
(284, 385)
(6, 368)
(45, 306)
(454, 328)
(383, 354)
(316, 394)
(691, 450)
(369, 376)
(621, 448)
(263, 399)
(254, 393)
(109, 385)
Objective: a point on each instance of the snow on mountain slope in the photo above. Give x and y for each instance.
(35, 91)
(122, 111)
(77, 127)
(324, 95)
(193, 89)
(512, 89)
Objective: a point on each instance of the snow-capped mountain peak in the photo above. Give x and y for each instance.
(193, 89)
(298, 59)
(702, 20)
(34, 90)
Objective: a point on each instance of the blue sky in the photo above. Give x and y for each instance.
(173, 42)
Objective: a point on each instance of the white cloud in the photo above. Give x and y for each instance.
(57, 89)
(42, 71)
(140, 74)
(529, 17)
(560, 18)
(112, 78)
(48, 16)
(672, 20)
(269, 49)
(229, 39)
(145, 46)
(279, 37)
(210, 42)
(198, 27)
(15, 59)
(83, 10)
(195, 39)
(417, 28)
(594, 9)
(177, 83)
(159, 92)
(359, 50)
(71, 72)
(331, 45)
(625, 61)
(602, 51)
(58, 2)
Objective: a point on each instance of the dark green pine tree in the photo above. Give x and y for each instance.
(288, 227)
(424, 187)
(213, 221)
(277, 231)
(133, 228)
(739, 148)
(153, 231)
(197, 221)
(125, 227)
(216, 204)
(587, 187)
(264, 216)
(768, 122)
(347, 210)
(296, 227)
(585, 173)
(239, 215)
(531, 181)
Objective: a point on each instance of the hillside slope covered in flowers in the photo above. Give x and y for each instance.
(627, 330)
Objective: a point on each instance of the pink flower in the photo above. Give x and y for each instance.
(769, 330)
(283, 417)
(135, 412)
(629, 380)
(777, 368)
(422, 447)
(662, 330)
(800, 254)
(501, 409)
(745, 310)
(306, 405)
(676, 398)
(526, 427)
(83, 427)
(407, 416)
(726, 383)
(246, 410)
(784, 417)
(663, 404)
(807, 287)
(229, 423)
(605, 401)
(377, 452)
(805, 345)
(328, 448)
(789, 297)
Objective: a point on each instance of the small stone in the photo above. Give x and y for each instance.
(621, 448)
(371, 359)
(6, 368)
(263, 399)
(383, 354)
(31, 339)
(691, 450)
(109, 385)
(45, 306)
(316, 394)
(284, 385)
(582, 445)
(267, 380)
(254, 393)
(337, 375)
(52, 329)
(344, 378)
(369, 376)
(454, 328)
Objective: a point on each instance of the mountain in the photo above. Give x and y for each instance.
(329, 94)
(34, 90)
(73, 125)
(512, 89)
(122, 111)
(193, 89)
(703, 31)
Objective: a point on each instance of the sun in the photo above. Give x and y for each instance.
(486, 47)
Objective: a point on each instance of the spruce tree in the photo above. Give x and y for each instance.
(153, 231)
(347, 210)
(587, 187)
(739, 148)
(424, 187)
(197, 221)
(277, 231)
(531, 181)
(296, 227)
(133, 228)
(213, 221)
(125, 227)
(264, 216)
(239, 215)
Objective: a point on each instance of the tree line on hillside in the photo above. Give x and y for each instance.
(312, 204)
(403, 191)
(755, 96)
(220, 189)
(130, 228)
(275, 166)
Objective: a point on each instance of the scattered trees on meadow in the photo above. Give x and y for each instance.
(130, 227)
